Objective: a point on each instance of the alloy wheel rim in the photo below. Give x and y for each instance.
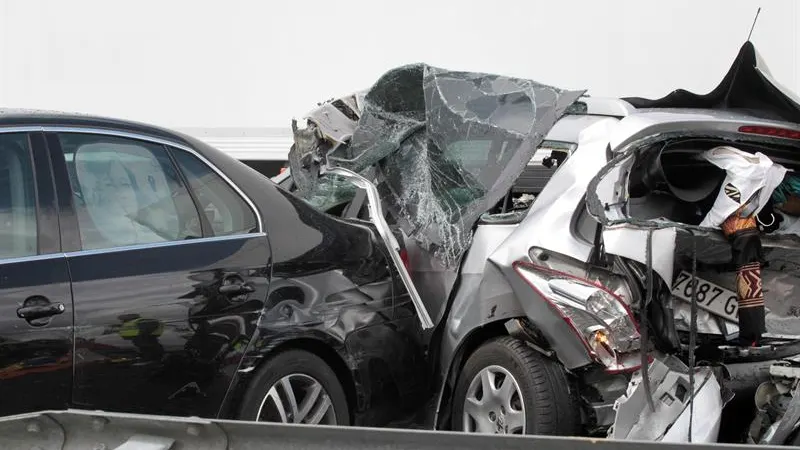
(494, 404)
(297, 398)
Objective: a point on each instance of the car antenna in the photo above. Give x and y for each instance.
(754, 24)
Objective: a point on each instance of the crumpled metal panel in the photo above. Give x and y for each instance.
(446, 147)
(337, 119)
(669, 422)
(777, 402)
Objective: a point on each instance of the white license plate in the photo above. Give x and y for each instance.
(711, 297)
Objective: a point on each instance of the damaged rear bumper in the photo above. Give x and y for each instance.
(666, 417)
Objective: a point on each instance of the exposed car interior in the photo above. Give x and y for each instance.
(672, 181)
(144, 209)
(669, 180)
(474, 156)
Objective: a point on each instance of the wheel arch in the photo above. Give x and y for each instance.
(318, 347)
(332, 358)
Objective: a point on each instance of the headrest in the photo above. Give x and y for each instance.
(682, 173)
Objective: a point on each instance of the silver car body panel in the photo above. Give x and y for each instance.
(482, 295)
(607, 106)
(631, 242)
(647, 123)
(553, 211)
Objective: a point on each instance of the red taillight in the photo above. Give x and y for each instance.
(599, 317)
(404, 258)
(770, 131)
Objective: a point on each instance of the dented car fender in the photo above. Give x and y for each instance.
(332, 292)
(556, 207)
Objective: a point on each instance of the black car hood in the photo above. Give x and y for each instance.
(748, 87)
(442, 146)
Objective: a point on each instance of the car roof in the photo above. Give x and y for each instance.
(659, 120)
(18, 117)
(32, 118)
(672, 114)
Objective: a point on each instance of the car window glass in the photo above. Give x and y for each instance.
(18, 235)
(127, 192)
(226, 211)
(549, 157)
(472, 155)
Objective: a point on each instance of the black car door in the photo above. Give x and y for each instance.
(169, 271)
(35, 299)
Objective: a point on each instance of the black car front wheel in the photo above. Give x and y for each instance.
(508, 388)
(296, 386)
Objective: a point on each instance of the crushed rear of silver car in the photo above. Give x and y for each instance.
(528, 214)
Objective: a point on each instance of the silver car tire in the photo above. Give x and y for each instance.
(506, 387)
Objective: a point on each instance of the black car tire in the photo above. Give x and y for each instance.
(295, 362)
(550, 402)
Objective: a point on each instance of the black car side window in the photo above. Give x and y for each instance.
(127, 192)
(226, 211)
(18, 236)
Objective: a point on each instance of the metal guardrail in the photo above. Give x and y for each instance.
(97, 430)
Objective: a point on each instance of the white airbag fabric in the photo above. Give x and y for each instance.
(746, 175)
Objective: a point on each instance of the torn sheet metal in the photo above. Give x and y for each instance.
(707, 323)
(670, 421)
(336, 120)
(778, 406)
(443, 147)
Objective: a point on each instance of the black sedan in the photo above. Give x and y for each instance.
(143, 271)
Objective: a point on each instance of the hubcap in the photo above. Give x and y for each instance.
(494, 403)
(297, 398)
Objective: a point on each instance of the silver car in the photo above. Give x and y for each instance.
(551, 243)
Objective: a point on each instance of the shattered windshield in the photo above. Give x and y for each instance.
(442, 146)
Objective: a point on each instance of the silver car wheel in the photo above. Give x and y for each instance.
(297, 398)
(494, 404)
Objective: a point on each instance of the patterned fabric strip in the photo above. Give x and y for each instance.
(735, 223)
(748, 286)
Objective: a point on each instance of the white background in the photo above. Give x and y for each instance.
(244, 68)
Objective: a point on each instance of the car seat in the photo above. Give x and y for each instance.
(110, 198)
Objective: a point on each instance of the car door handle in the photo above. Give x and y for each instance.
(40, 311)
(236, 289)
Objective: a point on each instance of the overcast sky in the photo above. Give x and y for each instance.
(190, 63)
